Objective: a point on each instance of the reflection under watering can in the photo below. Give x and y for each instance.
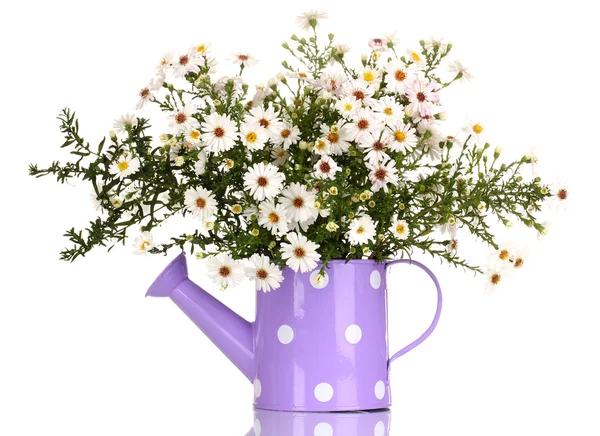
(275, 423)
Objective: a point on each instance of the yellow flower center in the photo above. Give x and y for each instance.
(368, 76)
(518, 262)
(201, 48)
(503, 254)
(144, 245)
(399, 136)
(495, 279)
(360, 230)
(123, 165)
(251, 137)
(237, 208)
(415, 56)
(194, 134)
(273, 218)
(400, 229)
(347, 107)
(478, 128)
(320, 145)
(388, 111)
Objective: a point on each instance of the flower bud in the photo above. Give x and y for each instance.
(332, 226)
(112, 134)
(371, 204)
(303, 145)
(497, 151)
(179, 160)
(255, 232)
(333, 190)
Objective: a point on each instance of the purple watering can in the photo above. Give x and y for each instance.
(319, 343)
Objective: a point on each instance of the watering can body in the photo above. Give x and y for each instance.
(319, 343)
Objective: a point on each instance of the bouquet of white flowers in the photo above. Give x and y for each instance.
(330, 160)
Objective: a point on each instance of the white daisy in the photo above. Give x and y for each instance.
(416, 58)
(494, 277)
(280, 155)
(146, 94)
(266, 275)
(263, 181)
(193, 136)
(300, 253)
(143, 243)
(124, 166)
(325, 168)
(360, 90)
(381, 174)
(286, 136)
(338, 138)
(187, 63)
(253, 135)
(375, 145)
(310, 20)
(330, 82)
(422, 96)
(474, 129)
(299, 202)
(347, 106)
(183, 120)
(124, 123)
(274, 217)
(322, 147)
(370, 75)
(387, 110)
(200, 165)
(202, 49)
(268, 119)
(378, 44)
(165, 62)
(560, 195)
(398, 76)
(200, 202)
(243, 58)
(399, 228)
(224, 270)
(219, 133)
(361, 230)
(404, 137)
(362, 122)
(457, 68)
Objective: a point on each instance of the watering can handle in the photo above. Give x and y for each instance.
(438, 310)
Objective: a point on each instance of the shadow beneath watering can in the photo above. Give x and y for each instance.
(275, 423)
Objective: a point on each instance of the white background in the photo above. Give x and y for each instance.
(81, 350)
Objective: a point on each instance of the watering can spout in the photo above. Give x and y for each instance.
(226, 329)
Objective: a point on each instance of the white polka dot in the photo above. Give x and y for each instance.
(323, 392)
(318, 280)
(380, 390)
(323, 429)
(257, 388)
(257, 427)
(379, 429)
(353, 334)
(285, 334)
(375, 279)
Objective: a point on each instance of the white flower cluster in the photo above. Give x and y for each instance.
(385, 110)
